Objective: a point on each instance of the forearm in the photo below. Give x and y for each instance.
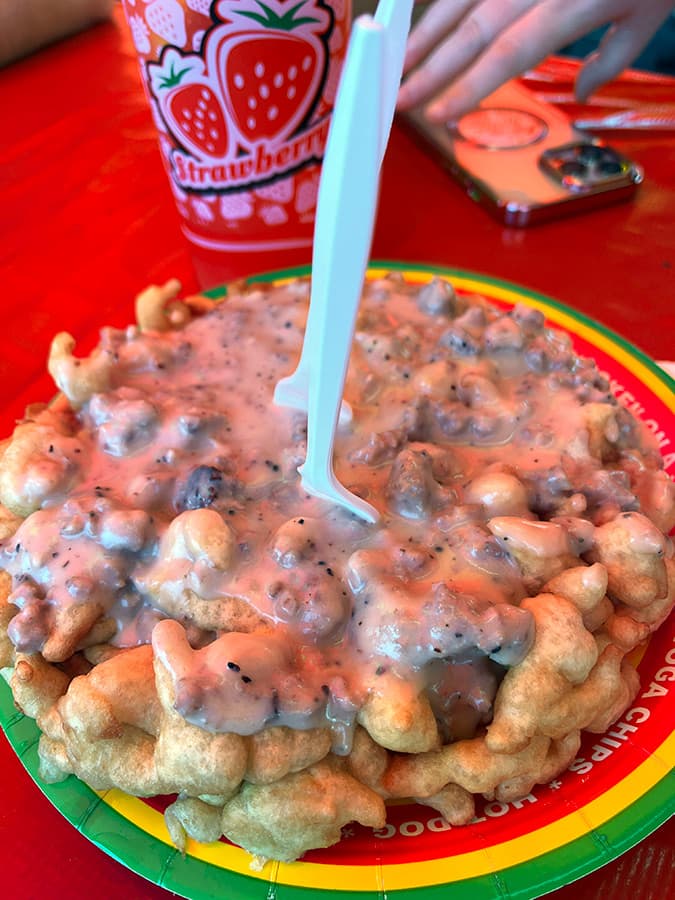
(26, 25)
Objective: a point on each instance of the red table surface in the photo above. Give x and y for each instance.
(88, 219)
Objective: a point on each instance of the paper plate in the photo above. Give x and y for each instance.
(620, 787)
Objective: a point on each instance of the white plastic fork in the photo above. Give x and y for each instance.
(346, 208)
(394, 17)
(345, 214)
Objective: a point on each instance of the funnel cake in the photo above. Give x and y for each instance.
(180, 617)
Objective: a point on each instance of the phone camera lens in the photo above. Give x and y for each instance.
(573, 169)
(590, 154)
(610, 167)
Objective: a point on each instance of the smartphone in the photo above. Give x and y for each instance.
(523, 160)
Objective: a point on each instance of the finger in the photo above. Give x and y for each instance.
(620, 46)
(438, 20)
(471, 37)
(519, 47)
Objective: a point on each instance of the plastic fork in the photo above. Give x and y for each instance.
(393, 16)
(346, 208)
(345, 214)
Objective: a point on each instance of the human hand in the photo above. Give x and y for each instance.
(462, 50)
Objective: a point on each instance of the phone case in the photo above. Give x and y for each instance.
(523, 160)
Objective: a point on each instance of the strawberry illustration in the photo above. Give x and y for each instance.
(200, 6)
(235, 207)
(270, 60)
(279, 192)
(167, 19)
(306, 195)
(272, 214)
(189, 106)
(202, 210)
(140, 34)
(198, 120)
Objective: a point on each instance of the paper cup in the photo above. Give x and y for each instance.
(241, 92)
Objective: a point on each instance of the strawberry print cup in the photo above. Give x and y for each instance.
(241, 92)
